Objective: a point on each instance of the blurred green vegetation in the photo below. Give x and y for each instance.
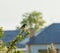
(32, 20)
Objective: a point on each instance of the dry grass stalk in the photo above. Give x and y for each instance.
(51, 49)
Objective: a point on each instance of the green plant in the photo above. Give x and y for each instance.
(1, 32)
(33, 20)
(19, 37)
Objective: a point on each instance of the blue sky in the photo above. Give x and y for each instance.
(11, 11)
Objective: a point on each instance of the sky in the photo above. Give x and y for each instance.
(11, 11)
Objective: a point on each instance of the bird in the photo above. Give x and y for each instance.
(23, 26)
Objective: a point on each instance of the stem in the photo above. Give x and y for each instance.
(13, 42)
